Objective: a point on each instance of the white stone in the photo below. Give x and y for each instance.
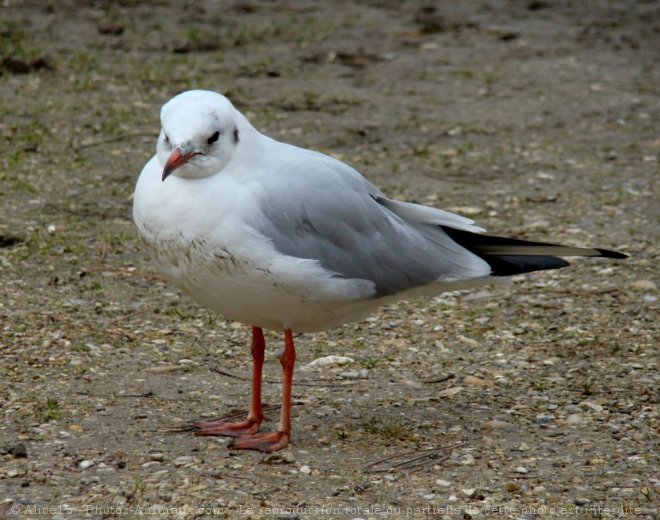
(328, 361)
(574, 418)
(183, 460)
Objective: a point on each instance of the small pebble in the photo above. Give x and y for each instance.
(305, 470)
(468, 341)
(442, 483)
(158, 457)
(574, 418)
(466, 460)
(581, 501)
(327, 361)
(86, 464)
(495, 424)
(644, 285)
(183, 460)
(452, 390)
(522, 469)
(354, 374)
(470, 211)
(477, 381)
(594, 406)
(278, 458)
(512, 487)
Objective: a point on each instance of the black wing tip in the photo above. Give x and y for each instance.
(505, 265)
(606, 253)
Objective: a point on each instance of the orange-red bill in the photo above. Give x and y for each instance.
(176, 160)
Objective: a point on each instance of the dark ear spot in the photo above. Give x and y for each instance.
(235, 135)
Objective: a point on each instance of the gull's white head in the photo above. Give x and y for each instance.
(200, 132)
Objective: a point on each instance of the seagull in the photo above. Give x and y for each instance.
(288, 239)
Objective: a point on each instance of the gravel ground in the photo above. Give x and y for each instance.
(538, 118)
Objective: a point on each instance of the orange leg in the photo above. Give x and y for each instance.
(280, 439)
(255, 415)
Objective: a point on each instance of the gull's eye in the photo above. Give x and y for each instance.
(166, 139)
(214, 138)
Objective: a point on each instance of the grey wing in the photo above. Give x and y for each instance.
(336, 217)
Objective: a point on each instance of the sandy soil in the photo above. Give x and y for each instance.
(539, 118)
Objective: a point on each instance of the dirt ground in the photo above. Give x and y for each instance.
(538, 118)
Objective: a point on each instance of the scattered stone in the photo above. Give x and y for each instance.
(86, 464)
(468, 341)
(469, 492)
(512, 487)
(442, 483)
(544, 419)
(12, 473)
(495, 424)
(477, 381)
(354, 374)
(627, 491)
(464, 460)
(595, 407)
(468, 211)
(19, 451)
(305, 470)
(644, 285)
(158, 457)
(183, 460)
(452, 390)
(574, 418)
(278, 458)
(581, 501)
(328, 361)
(522, 469)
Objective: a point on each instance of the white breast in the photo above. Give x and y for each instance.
(200, 241)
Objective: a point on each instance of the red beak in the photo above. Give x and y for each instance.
(175, 160)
